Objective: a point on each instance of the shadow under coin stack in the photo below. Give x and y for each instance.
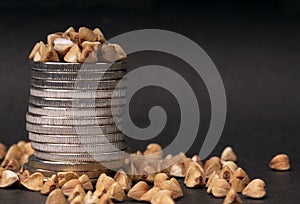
(66, 113)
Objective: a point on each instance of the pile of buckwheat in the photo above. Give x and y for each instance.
(152, 178)
(84, 46)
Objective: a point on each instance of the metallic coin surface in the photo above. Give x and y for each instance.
(78, 148)
(73, 67)
(49, 173)
(76, 139)
(76, 113)
(55, 120)
(71, 130)
(59, 93)
(79, 103)
(69, 119)
(76, 76)
(83, 157)
(74, 166)
(99, 85)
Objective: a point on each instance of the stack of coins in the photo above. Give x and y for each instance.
(73, 118)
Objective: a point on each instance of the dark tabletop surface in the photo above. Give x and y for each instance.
(256, 50)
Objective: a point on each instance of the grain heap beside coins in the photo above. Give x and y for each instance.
(74, 105)
(150, 178)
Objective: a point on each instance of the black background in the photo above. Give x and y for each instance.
(254, 44)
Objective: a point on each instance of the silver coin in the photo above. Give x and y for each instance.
(74, 166)
(83, 157)
(71, 130)
(48, 173)
(76, 113)
(79, 103)
(78, 148)
(55, 120)
(73, 67)
(59, 93)
(75, 139)
(99, 85)
(77, 76)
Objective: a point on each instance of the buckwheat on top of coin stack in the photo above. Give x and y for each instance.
(71, 107)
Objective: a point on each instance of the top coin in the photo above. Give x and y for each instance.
(74, 67)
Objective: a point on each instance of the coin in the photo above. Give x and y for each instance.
(77, 76)
(99, 85)
(83, 157)
(76, 113)
(58, 93)
(80, 103)
(55, 120)
(72, 67)
(48, 173)
(71, 130)
(75, 139)
(79, 148)
(74, 166)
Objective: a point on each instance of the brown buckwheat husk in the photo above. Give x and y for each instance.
(280, 162)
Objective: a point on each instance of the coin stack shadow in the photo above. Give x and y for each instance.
(72, 118)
